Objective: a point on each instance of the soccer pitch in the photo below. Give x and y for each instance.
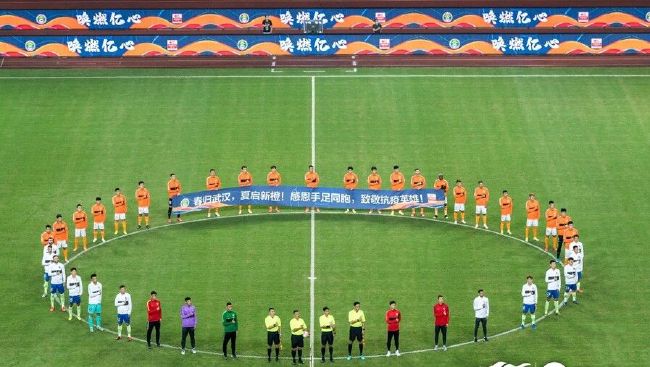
(576, 136)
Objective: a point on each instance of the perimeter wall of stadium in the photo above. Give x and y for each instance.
(116, 33)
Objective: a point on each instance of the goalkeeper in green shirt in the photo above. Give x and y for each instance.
(230, 324)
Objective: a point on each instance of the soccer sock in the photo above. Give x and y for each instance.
(124, 226)
(268, 352)
(477, 217)
(555, 242)
(485, 220)
(119, 330)
(75, 243)
(361, 348)
(578, 285)
(349, 349)
(79, 311)
(65, 254)
(566, 297)
(98, 320)
(534, 231)
(139, 219)
(532, 318)
(501, 226)
(546, 307)
(331, 352)
(94, 235)
(293, 355)
(52, 300)
(559, 251)
(85, 242)
(455, 217)
(45, 287)
(462, 216)
(117, 226)
(574, 297)
(90, 321)
(322, 352)
(445, 210)
(146, 220)
(508, 226)
(523, 319)
(277, 352)
(557, 306)
(102, 234)
(70, 311)
(546, 243)
(526, 233)
(62, 299)
(128, 330)
(300, 354)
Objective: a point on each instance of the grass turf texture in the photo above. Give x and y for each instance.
(579, 141)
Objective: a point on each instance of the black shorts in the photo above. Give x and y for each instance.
(327, 337)
(356, 333)
(273, 338)
(297, 341)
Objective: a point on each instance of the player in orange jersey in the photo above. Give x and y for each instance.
(397, 184)
(273, 178)
(569, 233)
(119, 207)
(80, 220)
(174, 189)
(441, 184)
(551, 225)
(418, 182)
(213, 182)
(311, 181)
(532, 216)
(143, 198)
(374, 183)
(350, 182)
(99, 217)
(505, 203)
(562, 223)
(245, 179)
(47, 235)
(460, 198)
(60, 228)
(482, 197)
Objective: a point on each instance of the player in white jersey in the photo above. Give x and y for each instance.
(48, 254)
(578, 262)
(570, 279)
(94, 303)
(75, 290)
(553, 284)
(124, 306)
(529, 292)
(56, 272)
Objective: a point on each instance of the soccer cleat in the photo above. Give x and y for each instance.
(94, 240)
(147, 226)
(475, 340)
(62, 308)
(118, 337)
(43, 295)
(363, 358)
(52, 309)
(535, 239)
(349, 358)
(209, 214)
(533, 326)
(435, 216)
(347, 210)
(462, 221)
(182, 352)
(401, 212)
(115, 232)
(501, 232)
(179, 220)
(139, 227)
(240, 212)
(392, 212)
(70, 318)
(354, 211)
(369, 211)
(435, 348)
(388, 354)
(522, 326)
(193, 351)
(526, 239)
(169, 221)
(446, 216)
(218, 215)
(575, 302)
(422, 215)
(444, 348)
(510, 233)
(321, 361)
(92, 330)
(485, 226)
(476, 226)
(100, 328)
(580, 291)
(129, 339)
(103, 240)
(250, 211)
(455, 222)
(317, 210)
(378, 212)
(485, 338)
(397, 352)
(413, 214)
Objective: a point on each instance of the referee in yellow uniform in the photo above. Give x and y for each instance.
(357, 320)
(273, 324)
(327, 330)
(298, 329)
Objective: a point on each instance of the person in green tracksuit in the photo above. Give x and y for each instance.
(230, 324)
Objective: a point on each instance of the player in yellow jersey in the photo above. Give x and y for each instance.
(327, 331)
(273, 333)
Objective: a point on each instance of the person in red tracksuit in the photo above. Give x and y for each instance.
(393, 318)
(441, 314)
(154, 315)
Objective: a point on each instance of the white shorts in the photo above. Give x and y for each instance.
(120, 216)
(62, 243)
(481, 209)
(505, 218)
(551, 231)
(80, 232)
(459, 207)
(98, 225)
(143, 210)
(532, 222)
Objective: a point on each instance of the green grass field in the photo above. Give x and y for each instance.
(579, 140)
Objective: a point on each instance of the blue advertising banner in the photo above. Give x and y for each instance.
(325, 45)
(301, 197)
(331, 18)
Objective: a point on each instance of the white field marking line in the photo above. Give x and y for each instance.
(312, 255)
(2, 62)
(466, 226)
(441, 76)
(313, 71)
